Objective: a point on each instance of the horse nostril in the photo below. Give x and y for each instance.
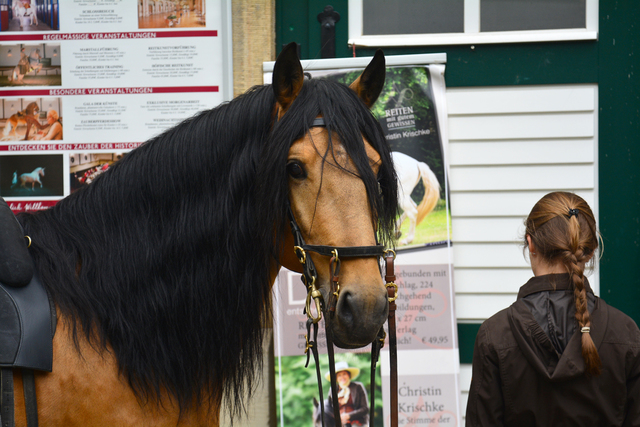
(345, 309)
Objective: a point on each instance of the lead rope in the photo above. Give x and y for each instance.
(376, 345)
(334, 268)
(311, 345)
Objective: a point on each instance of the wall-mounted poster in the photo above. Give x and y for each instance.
(79, 76)
(412, 113)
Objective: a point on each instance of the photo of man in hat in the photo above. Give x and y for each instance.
(352, 397)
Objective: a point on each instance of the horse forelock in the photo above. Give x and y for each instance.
(166, 240)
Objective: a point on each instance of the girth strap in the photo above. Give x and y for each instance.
(30, 402)
(7, 414)
(7, 400)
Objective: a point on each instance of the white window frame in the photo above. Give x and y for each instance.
(471, 34)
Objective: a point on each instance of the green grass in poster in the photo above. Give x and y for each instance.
(434, 227)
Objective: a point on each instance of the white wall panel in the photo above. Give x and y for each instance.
(525, 177)
(523, 152)
(478, 307)
(508, 147)
(500, 203)
(510, 126)
(488, 255)
(491, 280)
(476, 229)
(523, 99)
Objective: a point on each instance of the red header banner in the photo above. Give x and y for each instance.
(109, 91)
(107, 36)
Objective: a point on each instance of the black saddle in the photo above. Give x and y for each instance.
(16, 267)
(27, 318)
(26, 327)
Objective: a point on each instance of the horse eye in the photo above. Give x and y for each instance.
(296, 171)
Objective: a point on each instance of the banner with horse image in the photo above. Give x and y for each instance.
(412, 113)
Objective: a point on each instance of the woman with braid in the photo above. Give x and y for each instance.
(559, 356)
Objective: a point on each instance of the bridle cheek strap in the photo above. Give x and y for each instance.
(392, 293)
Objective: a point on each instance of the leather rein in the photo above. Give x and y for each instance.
(309, 278)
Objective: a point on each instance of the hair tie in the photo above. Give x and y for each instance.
(585, 330)
(573, 212)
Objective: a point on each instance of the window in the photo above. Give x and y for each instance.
(443, 22)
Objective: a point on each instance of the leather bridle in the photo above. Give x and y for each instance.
(310, 277)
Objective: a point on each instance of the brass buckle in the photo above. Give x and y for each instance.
(336, 263)
(392, 284)
(314, 294)
(395, 292)
(308, 345)
(302, 256)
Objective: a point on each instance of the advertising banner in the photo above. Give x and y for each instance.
(412, 113)
(84, 82)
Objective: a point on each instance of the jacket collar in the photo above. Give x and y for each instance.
(533, 341)
(550, 282)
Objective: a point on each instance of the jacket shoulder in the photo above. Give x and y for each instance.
(496, 330)
(620, 327)
(497, 320)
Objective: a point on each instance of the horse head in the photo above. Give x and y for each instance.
(334, 197)
(32, 109)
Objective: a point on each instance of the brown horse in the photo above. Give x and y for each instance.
(21, 118)
(162, 287)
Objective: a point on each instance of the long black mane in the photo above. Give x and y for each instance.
(165, 258)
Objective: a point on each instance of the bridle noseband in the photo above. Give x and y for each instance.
(309, 278)
(310, 274)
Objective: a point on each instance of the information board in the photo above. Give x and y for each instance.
(84, 82)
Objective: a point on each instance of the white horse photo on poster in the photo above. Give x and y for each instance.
(411, 171)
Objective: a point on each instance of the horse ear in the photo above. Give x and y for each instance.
(288, 77)
(369, 85)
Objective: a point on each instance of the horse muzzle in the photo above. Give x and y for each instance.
(358, 318)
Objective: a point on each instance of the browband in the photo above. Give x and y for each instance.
(346, 251)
